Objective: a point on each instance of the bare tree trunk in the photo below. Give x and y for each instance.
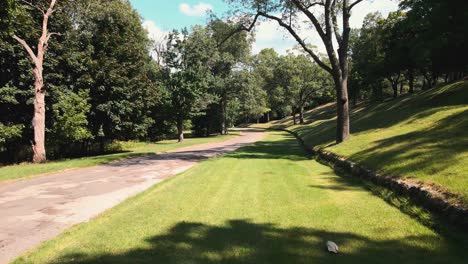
(38, 144)
(180, 131)
(294, 118)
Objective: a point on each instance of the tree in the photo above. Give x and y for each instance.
(250, 94)
(329, 32)
(303, 82)
(264, 64)
(38, 145)
(70, 115)
(368, 56)
(437, 35)
(229, 53)
(187, 74)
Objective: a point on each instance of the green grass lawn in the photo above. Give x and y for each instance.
(422, 137)
(265, 203)
(130, 149)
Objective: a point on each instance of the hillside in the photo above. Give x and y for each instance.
(423, 137)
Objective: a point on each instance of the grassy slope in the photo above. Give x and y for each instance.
(424, 137)
(131, 149)
(265, 203)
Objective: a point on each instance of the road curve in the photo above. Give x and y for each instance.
(36, 210)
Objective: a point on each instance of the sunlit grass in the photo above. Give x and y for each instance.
(265, 203)
(129, 149)
(423, 137)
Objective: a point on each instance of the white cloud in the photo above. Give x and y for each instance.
(270, 35)
(197, 10)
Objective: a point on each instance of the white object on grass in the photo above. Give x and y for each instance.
(332, 247)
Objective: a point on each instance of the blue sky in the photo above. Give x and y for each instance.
(161, 16)
(168, 14)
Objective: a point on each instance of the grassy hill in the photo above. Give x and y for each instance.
(423, 137)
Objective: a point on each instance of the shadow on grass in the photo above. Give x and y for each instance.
(383, 115)
(286, 148)
(444, 141)
(431, 151)
(241, 241)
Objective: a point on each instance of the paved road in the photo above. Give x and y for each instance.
(35, 210)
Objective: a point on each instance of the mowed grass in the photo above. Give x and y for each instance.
(423, 137)
(130, 149)
(265, 203)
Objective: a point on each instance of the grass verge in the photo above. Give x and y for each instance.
(265, 203)
(421, 137)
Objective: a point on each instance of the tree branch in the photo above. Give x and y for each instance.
(52, 34)
(311, 17)
(335, 23)
(298, 39)
(27, 48)
(314, 4)
(239, 29)
(33, 6)
(354, 4)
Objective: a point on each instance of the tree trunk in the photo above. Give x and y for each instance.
(38, 122)
(38, 146)
(268, 116)
(294, 118)
(301, 115)
(411, 81)
(402, 91)
(342, 111)
(180, 131)
(395, 89)
(223, 115)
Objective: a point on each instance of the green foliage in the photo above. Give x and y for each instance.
(292, 82)
(8, 133)
(187, 73)
(70, 116)
(102, 51)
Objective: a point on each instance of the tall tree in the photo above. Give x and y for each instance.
(187, 74)
(229, 53)
(303, 82)
(38, 145)
(329, 31)
(264, 64)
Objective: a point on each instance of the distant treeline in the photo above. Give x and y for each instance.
(423, 43)
(105, 80)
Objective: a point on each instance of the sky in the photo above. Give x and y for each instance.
(161, 16)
